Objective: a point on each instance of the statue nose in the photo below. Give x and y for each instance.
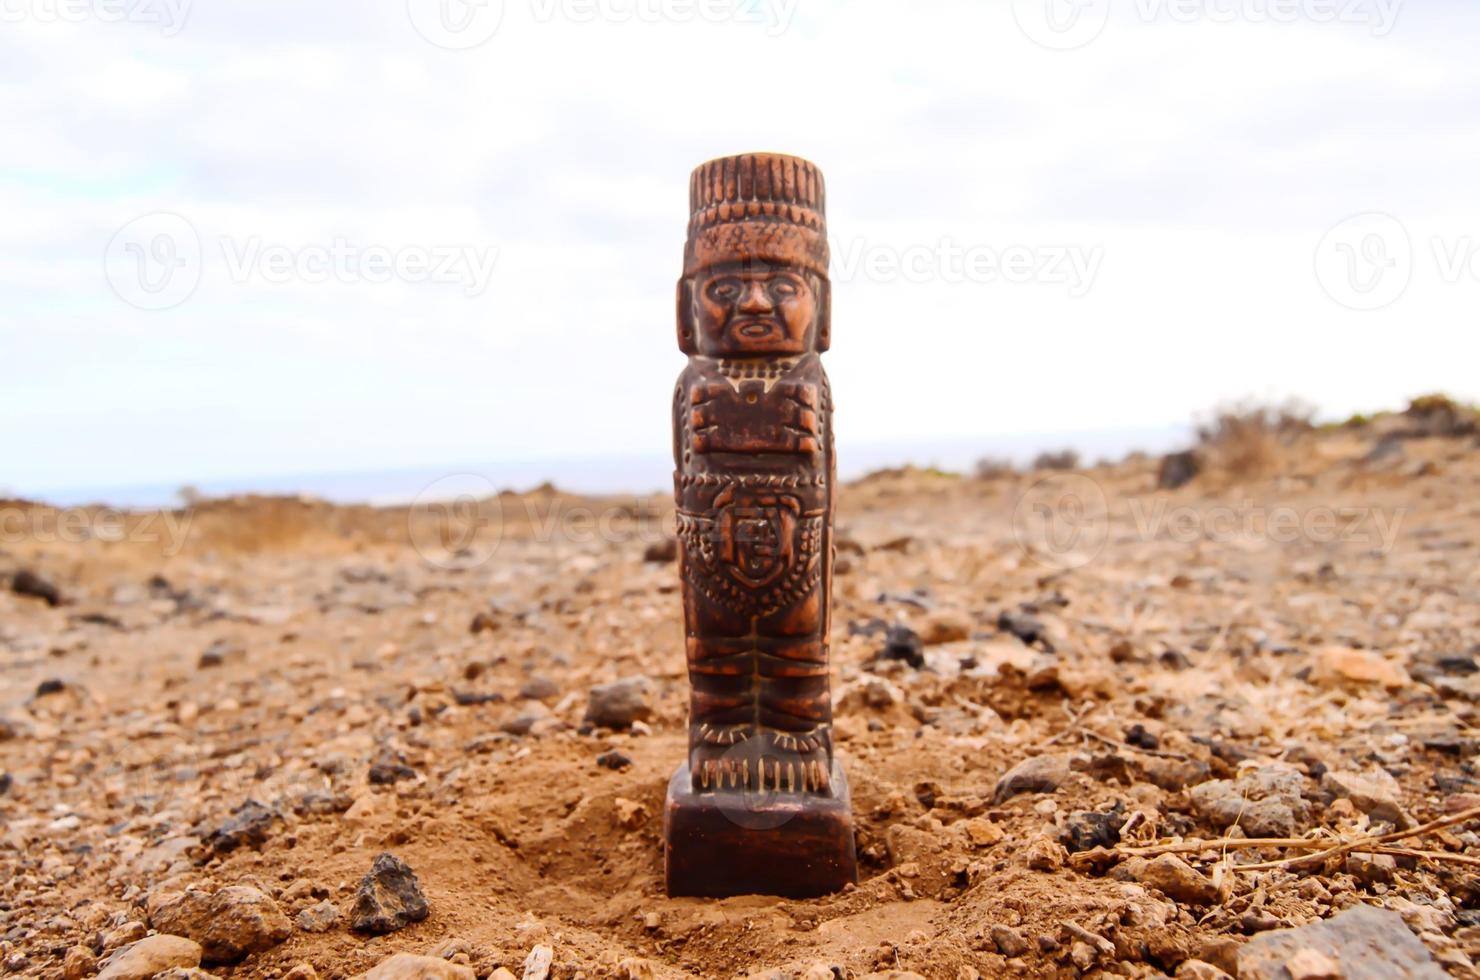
(756, 300)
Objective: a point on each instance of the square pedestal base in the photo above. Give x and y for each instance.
(757, 843)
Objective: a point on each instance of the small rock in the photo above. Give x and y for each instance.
(388, 769)
(983, 832)
(33, 586)
(1040, 774)
(1337, 666)
(303, 971)
(613, 760)
(1371, 869)
(1045, 855)
(619, 704)
(215, 655)
(249, 825)
(389, 897)
(79, 962)
(147, 957)
(1023, 626)
(1178, 469)
(1178, 880)
(1174, 775)
(1374, 792)
(129, 932)
(945, 626)
(318, 918)
(1087, 830)
(537, 963)
(482, 623)
(1138, 736)
(902, 643)
(1009, 941)
(1265, 802)
(1368, 943)
(662, 552)
(629, 815)
(635, 969)
(539, 688)
(230, 925)
(406, 966)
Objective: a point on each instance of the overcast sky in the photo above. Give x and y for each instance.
(265, 238)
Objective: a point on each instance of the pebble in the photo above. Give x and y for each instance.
(248, 826)
(613, 760)
(79, 962)
(389, 897)
(1374, 792)
(1040, 774)
(30, 584)
(318, 918)
(537, 963)
(1009, 941)
(539, 688)
(145, 958)
(1198, 970)
(619, 704)
(1177, 880)
(903, 644)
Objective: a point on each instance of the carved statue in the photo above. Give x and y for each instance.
(755, 472)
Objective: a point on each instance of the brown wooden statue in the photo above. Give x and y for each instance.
(761, 805)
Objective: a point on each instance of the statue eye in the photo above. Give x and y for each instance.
(784, 288)
(724, 290)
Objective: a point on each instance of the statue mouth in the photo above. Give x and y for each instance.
(757, 329)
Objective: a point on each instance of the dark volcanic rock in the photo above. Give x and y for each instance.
(1087, 830)
(1022, 626)
(28, 583)
(1178, 470)
(389, 897)
(388, 769)
(901, 643)
(662, 551)
(613, 760)
(249, 825)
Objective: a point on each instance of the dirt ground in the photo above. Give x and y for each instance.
(1285, 647)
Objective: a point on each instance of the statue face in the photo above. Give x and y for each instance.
(754, 309)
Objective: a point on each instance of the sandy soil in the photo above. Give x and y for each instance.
(1303, 630)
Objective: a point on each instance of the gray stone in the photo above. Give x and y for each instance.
(1365, 942)
(1265, 802)
(619, 704)
(389, 897)
(1040, 774)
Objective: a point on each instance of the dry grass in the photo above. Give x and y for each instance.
(1248, 440)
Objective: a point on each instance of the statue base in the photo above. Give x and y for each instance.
(754, 842)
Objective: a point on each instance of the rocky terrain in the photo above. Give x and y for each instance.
(1203, 716)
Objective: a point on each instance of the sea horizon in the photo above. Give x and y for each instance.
(638, 474)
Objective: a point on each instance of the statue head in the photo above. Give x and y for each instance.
(755, 267)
